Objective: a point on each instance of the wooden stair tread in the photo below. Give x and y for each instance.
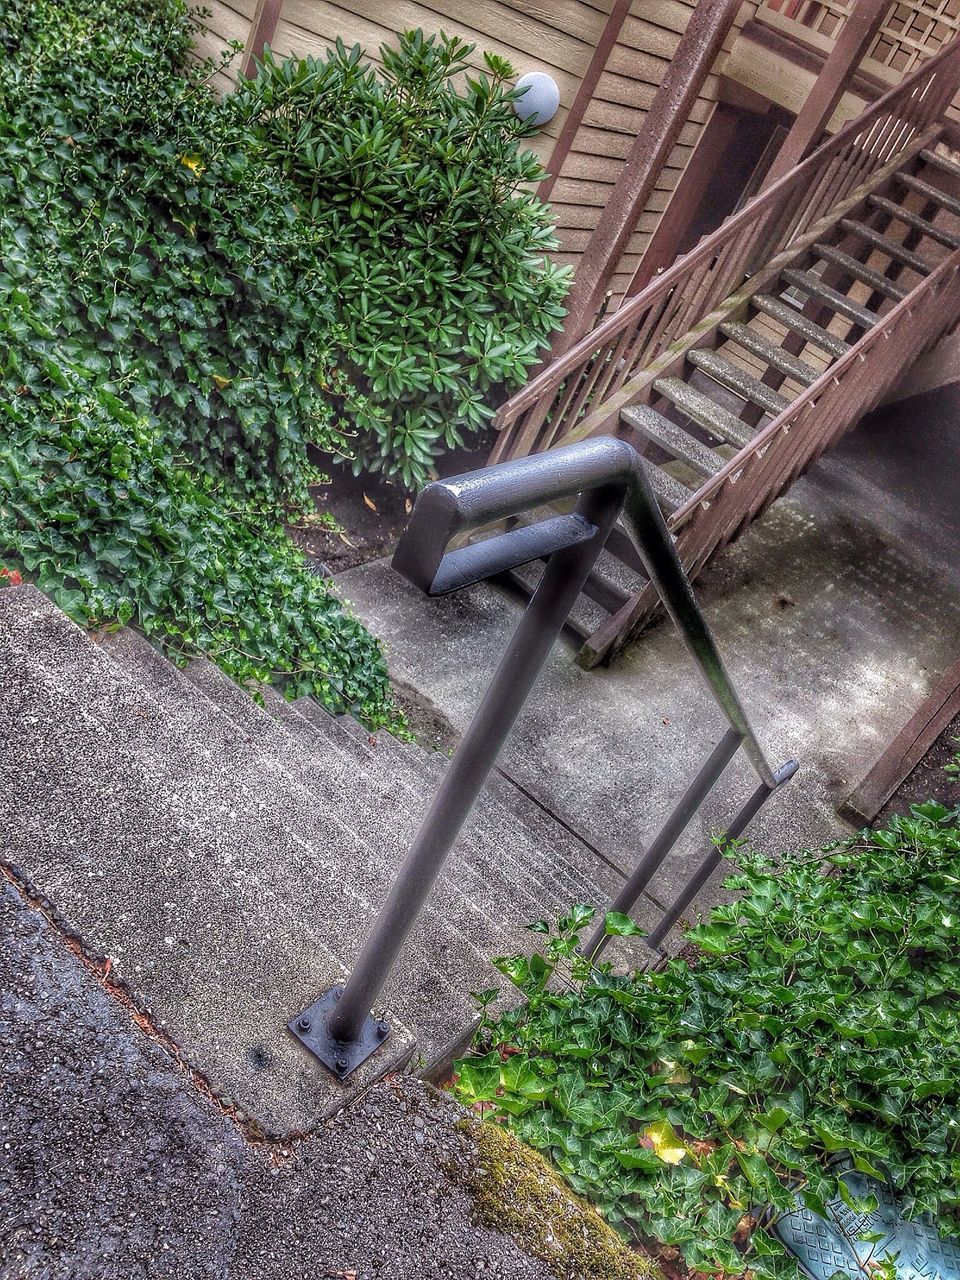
(753, 341)
(860, 271)
(713, 417)
(940, 162)
(669, 493)
(832, 298)
(792, 318)
(738, 381)
(871, 236)
(914, 220)
(950, 203)
(672, 439)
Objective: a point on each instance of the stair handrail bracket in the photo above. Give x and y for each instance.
(581, 393)
(608, 480)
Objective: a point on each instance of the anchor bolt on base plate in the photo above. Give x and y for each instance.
(339, 1057)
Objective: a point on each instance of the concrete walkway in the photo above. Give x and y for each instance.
(836, 612)
(114, 1165)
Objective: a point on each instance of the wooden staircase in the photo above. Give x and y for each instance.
(735, 369)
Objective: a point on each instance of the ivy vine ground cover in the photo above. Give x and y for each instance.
(820, 1020)
(200, 296)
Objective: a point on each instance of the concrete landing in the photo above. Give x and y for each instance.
(836, 612)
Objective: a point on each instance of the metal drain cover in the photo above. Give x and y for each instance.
(826, 1246)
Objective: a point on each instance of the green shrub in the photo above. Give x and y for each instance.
(822, 1017)
(98, 510)
(434, 249)
(164, 257)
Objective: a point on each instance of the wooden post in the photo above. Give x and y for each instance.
(905, 752)
(683, 79)
(841, 65)
(588, 85)
(263, 28)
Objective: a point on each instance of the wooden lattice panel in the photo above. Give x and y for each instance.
(912, 30)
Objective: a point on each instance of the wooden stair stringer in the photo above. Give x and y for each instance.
(621, 627)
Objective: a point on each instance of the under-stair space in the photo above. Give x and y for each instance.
(767, 349)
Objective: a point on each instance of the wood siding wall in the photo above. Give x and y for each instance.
(226, 21)
(645, 46)
(556, 36)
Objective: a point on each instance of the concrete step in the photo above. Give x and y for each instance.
(672, 439)
(494, 872)
(792, 318)
(892, 248)
(109, 816)
(860, 271)
(911, 219)
(260, 869)
(511, 866)
(557, 870)
(720, 422)
(734, 378)
(759, 345)
(814, 287)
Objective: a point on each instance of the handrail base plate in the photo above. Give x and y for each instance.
(311, 1028)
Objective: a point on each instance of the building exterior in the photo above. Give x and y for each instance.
(608, 57)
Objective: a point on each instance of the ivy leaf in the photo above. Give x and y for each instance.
(665, 1143)
(618, 925)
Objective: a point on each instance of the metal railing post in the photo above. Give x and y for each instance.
(340, 1028)
(667, 836)
(713, 859)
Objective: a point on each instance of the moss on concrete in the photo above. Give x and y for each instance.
(517, 1192)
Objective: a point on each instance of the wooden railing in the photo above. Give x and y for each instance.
(786, 447)
(583, 391)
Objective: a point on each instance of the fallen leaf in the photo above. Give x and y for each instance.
(194, 164)
(343, 538)
(369, 502)
(407, 505)
(664, 1142)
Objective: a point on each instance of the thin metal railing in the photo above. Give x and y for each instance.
(608, 479)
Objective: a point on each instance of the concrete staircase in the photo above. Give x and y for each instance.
(222, 860)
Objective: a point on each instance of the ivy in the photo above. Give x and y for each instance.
(107, 520)
(820, 1018)
(164, 355)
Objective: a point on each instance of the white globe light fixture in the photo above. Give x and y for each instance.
(542, 98)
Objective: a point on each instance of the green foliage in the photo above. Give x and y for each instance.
(821, 1017)
(157, 251)
(163, 343)
(434, 250)
(952, 767)
(101, 514)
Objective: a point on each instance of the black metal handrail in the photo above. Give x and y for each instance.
(608, 478)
